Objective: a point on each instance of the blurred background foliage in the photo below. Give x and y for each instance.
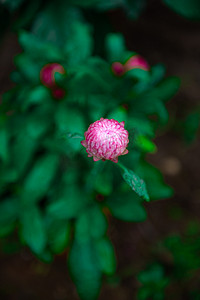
(53, 197)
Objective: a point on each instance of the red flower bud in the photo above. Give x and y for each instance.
(47, 74)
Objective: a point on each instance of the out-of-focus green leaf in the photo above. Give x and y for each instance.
(136, 183)
(115, 47)
(58, 232)
(153, 282)
(37, 96)
(134, 8)
(106, 256)
(166, 89)
(185, 253)
(157, 73)
(103, 183)
(9, 211)
(62, 25)
(4, 150)
(12, 5)
(37, 49)
(85, 2)
(22, 151)
(119, 114)
(32, 229)
(157, 189)
(139, 74)
(152, 274)
(126, 206)
(140, 126)
(38, 123)
(85, 269)
(97, 106)
(70, 120)
(145, 144)
(68, 204)
(150, 105)
(190, 126)
(28, 68)
(187, 8)
(80, 44)
(90, 82)
(91, 224)
(39, 178)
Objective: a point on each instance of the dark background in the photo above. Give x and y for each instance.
(161, 36)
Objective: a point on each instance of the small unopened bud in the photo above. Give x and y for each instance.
(117, 68)
(136, 62)
(47, 74)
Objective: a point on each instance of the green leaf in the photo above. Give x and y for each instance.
(190, 126)
(91, 224)
(152, 274)
(119, 114)
(106, 256)
(28, 68)
(85, 269)
(139, 74)
(4, 151)
(79, 46)
(32, 229)
(39, 179)
(12, 5)
(187, 8)
(58, 232)
(22, 151)
(150, 105)
(68, 204)
(103, 183)
(141, 126)
(40, 50)
(153, 282)
(85, 2)
(115, 47)
(145, 144)
(127, 207)
(166, 89)
(70, 120)
(136, 183)
(154, 180)
(157, 72)
(37, 96)
(134, 8)
(9, 212)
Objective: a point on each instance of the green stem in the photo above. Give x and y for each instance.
(121, 166)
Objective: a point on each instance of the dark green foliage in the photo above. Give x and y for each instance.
(153, 282)
(126, 206)
(49, 187)
(187, 8)
(177, 266)
(185, 252)
(190, 126)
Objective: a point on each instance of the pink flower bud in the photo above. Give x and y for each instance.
(58, 93)
(47, 74)
(117, 68)
(106, 139)
(136, 62)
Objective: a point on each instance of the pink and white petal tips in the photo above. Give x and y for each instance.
(136, 62)
(106, 139)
